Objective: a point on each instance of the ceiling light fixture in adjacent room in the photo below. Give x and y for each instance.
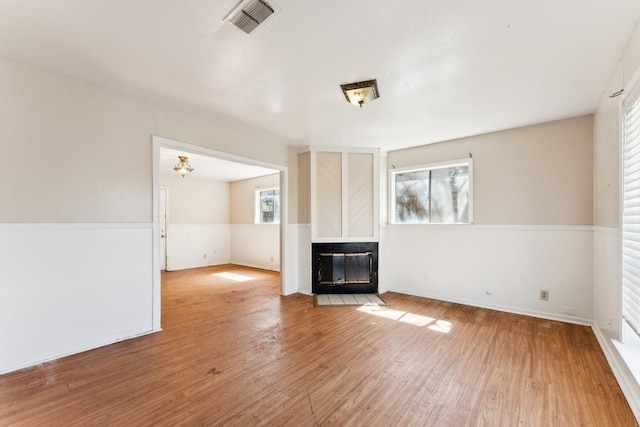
(361, 92)
(183, 167)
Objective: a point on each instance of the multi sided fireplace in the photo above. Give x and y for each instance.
(344, 268)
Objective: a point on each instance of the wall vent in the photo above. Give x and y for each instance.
(249, 14)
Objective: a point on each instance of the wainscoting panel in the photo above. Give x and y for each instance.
(304, 258)
(289, 261)
(607, 280)
(499, 267)
(197, 245)
(256, 245)
(67, 288)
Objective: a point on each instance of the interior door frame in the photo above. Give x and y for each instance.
(287, 251)
(163, 254)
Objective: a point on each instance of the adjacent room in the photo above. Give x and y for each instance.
(224, 212)
(331, 213)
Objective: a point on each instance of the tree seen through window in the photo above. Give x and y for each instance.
(438, 196)
(270, 206)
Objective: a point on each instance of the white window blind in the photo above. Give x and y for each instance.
(631, 213)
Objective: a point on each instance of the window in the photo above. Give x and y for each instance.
(631, 213)
(434, 194)
(267, 206)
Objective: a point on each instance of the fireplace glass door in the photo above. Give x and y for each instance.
(345, 268)
(341, 268)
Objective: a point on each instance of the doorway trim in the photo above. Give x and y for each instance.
(159, 142)
(163, 253)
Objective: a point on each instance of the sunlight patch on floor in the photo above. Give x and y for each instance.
(233, 276)
(409, 318)
(441, 326)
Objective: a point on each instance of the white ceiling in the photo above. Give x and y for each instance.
(210, 168)
(445, 68)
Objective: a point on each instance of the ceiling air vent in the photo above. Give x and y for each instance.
(249, 14)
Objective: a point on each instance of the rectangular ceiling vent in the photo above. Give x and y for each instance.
(249, 14)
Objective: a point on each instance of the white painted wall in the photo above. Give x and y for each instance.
(606, 191)
(253, 245)
(77, 271)
(500, 267)
(534, 175)
(606, 213)
(70, 287)
(256, 245)
(607, 280)
(242, 195)
(532, 211)
(304, 222)
(211, 223)
(198, 245)
(304, 258)
(383, 276)
(289, 266)
(198, 231)
(196, 201)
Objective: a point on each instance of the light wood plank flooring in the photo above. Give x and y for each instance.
(236, 353)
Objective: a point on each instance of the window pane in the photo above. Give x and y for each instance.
(270, 206)
(439, 196)
(449, 195)
(412, 197)
(266, 206)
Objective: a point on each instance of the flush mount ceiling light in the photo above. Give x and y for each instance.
(361, 92)
(183, 167)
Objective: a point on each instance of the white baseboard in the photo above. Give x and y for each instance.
(187, 267)
(261, 267)
(514, 310)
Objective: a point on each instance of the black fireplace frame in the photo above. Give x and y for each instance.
(346, 248)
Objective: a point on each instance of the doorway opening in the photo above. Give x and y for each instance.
(184, 239)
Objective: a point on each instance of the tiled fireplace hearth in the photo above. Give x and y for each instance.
(344, 268)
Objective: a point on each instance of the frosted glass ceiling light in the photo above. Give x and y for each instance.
(183, 167)
(361, 92)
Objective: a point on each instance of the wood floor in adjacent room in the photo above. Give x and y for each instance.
(234, 352)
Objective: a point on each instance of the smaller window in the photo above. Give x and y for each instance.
(434, 194)
(267, 206)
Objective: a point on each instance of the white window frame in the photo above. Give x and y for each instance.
(431, 166)
(257, 217)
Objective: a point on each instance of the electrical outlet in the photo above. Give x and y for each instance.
(544, 295)
(204, 255)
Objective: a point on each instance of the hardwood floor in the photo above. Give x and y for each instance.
(237, 353)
